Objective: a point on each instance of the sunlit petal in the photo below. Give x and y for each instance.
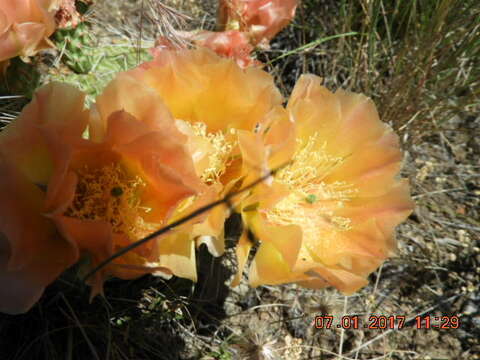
(328, 216)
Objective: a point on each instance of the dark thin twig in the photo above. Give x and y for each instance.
(82, 330)
(225, 199)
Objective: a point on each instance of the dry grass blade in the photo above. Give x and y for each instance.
(167, 20)
(310, 45)
(80, 326)
(9, 106)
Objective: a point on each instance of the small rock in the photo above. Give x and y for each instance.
(470, 308)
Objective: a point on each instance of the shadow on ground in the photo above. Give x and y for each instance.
(146, 318)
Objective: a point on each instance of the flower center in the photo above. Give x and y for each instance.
(113, 195)
(312, 201)
(218, 155)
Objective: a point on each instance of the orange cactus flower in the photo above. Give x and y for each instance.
(25, 26)
(211, 98)
(128, 179)
(328, 217)
(261, 19)
(67, 191)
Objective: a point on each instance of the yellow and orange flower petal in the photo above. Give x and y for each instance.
(25, 26)
(200, 86)
(262, 152)
(341, 189)
(32, 254)
(26, 140)
(268, 148)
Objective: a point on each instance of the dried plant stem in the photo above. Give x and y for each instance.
(82, 330)
(342, 331)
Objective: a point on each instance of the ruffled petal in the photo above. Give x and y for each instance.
(270, 268)
(46, 126)
(345, 281)
(29, 39)
(165, 164)
(280, 137)
(345, 122)
(25, 26)
(93, 237)
(32, 255)
(5, 22)
(388, 210)
(125, 93)
(210, 231)
(372, 169)
(287, 239)
(199, 86)
(21, 288)
(315, 110)
(242, 251)
(254, 155)
(177, 253)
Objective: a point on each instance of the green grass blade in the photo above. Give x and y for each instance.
(312, 45)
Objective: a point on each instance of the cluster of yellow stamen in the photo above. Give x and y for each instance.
(312, 201)
(113, 195)
(218, 157)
